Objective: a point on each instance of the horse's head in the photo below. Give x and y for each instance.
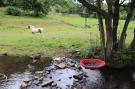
(30, 27)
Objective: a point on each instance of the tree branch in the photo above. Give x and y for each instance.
(94, 8)
(122, 2)
(123, 34)
(109, 4)
(101, 30)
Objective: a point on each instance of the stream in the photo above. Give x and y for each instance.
(18, 69)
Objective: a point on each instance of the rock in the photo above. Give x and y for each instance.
(36, 83)
(35, 78)
(5, 54)
(58, 88)
(68, 86)
(50, 77)
(26, 81)
(45, 83)
(34, 61)
(79, 68)
(47, 72)
(39, 72)
(37, 56)
(70, 77)
(78, 77)
(59, 79)
(72, 64)
(41, 79)
(61, 65)
(54, 84)
(24, 85)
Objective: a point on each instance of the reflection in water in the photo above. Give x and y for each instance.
(18, 69)
(94, 79)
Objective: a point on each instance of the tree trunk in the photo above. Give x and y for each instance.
(109, 40)
(123, 34)
(109, 35)
(132, 46)
(115, 24)
(101, 30)
(1, 3)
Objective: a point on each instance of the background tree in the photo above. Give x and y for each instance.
(112, 17)
(38, 7)
(1, 3)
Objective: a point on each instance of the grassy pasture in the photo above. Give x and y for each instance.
(61, 35)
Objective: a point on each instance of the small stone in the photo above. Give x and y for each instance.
(85, 75)
(41, 79)
(35, 77)
(61, 65)
(39, 72)
(70, 77)
(23, 85)
(5, 54)
(45, 83)
(47, 72)
(26, 81)
(68, 86)
(79, 68)
(54, 84)
(72, 64)
(50, 77)
(59, 79)
(80, 73)
(36, 83)
(78, 77)
(58, 88)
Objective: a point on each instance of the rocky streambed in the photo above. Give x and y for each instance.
(64, 73)
(61, 73)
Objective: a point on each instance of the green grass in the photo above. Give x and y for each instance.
(60, 34)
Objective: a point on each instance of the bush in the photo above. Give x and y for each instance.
(15, 11)
(124, 55)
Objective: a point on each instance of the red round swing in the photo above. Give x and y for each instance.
(100, 63)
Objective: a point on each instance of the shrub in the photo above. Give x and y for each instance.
(124, 54)
(15, 11)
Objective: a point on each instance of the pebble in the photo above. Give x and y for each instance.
(61, 65)
(35, 77)
(39, 72)
(27, 81)
(45, 83)
(41, 79)
(54, 84)
(70, 77)
(59, 79)
(23, 85)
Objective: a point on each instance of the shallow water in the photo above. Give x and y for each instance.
(18, 69)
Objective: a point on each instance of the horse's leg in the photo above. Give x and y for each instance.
(40, 31)
(33, 33)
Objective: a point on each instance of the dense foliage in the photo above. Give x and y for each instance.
(37, 7)
(10, 10)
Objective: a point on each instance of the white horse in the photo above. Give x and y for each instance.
(35, 30)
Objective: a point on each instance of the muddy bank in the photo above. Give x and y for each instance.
(18, 69)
